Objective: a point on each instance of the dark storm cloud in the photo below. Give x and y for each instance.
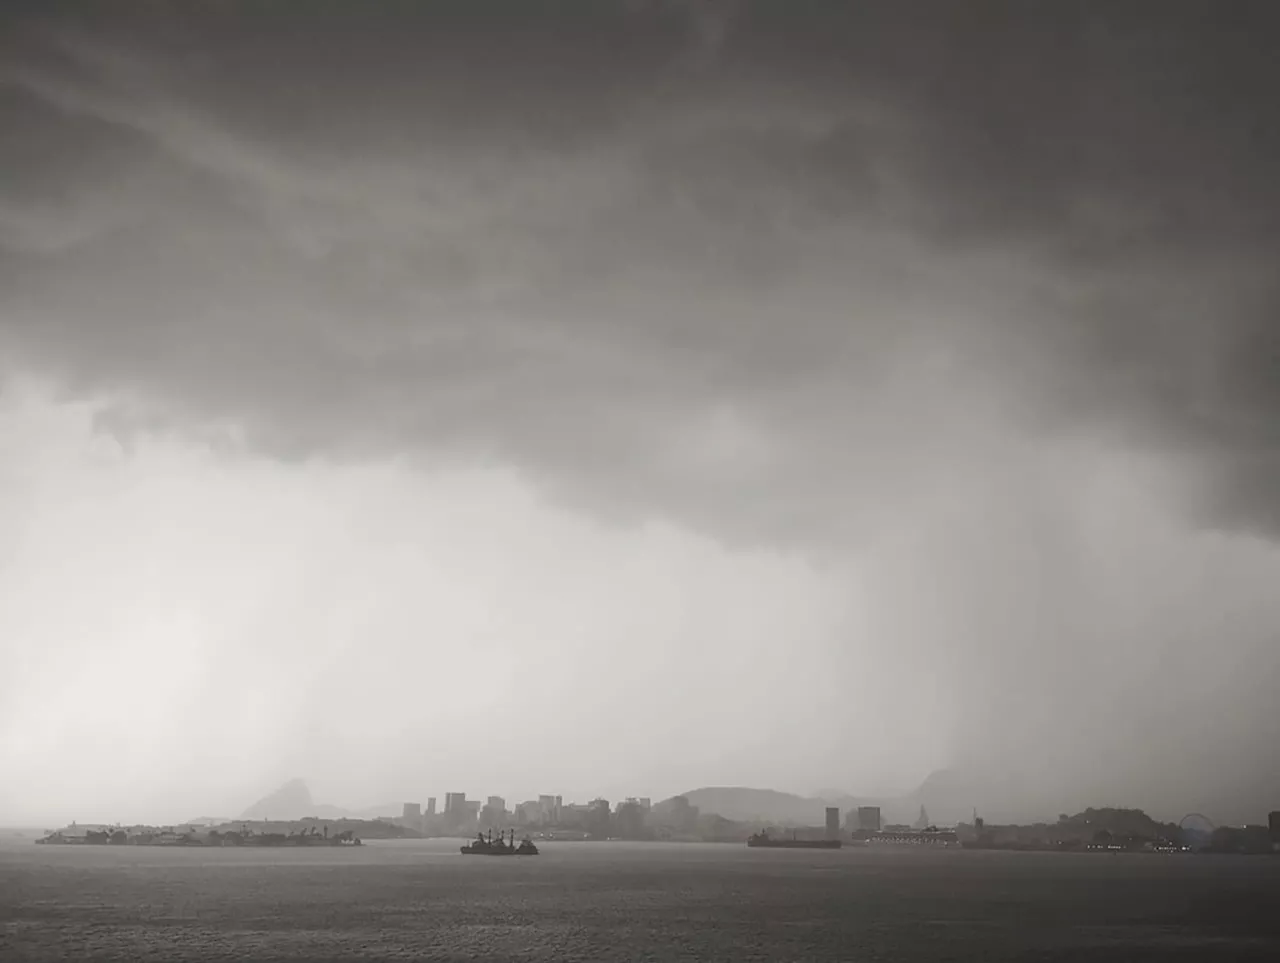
(755, 266)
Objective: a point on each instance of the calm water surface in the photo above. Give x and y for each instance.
(421, 900)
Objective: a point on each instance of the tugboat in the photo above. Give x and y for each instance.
(488, 847)
(764, 840)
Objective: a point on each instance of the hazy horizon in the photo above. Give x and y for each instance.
(993, 802)
(631, 396)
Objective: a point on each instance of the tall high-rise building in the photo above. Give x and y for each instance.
(833, 822)
(1273, 824)
(869, 819)
(431, 805)
(459, 811)
(412, 812)
(494, 813)
(528, 813)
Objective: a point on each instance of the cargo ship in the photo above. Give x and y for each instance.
(764, 840)
(500, 847)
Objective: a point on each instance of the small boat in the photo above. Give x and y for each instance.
(500, 847)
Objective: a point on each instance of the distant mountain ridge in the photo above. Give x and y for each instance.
(744, 804)
(293, 801)
(948, 795)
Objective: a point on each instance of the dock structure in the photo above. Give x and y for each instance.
(909, 837)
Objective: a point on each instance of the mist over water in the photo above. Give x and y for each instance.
(572, 902)
(621, 398)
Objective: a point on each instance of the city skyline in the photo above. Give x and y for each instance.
(294, 800)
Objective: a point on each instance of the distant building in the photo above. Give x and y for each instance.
(431, 805)
(550, 807)
(598, 821)
(574, 815)
(869, 819)
(629, 819)
(528, 813)
(459, 812)
(412, 812)
(494, 813)
(1273, 825)
(833, 822)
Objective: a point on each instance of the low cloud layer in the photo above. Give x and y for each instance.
(882, 286)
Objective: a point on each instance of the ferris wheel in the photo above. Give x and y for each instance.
(1196, 824)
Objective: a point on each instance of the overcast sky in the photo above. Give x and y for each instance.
(623, 397)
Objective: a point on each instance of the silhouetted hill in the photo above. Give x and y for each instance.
(743, 804)
(290, 801)
(293, 801)
(949, 796)
(1001, 795)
